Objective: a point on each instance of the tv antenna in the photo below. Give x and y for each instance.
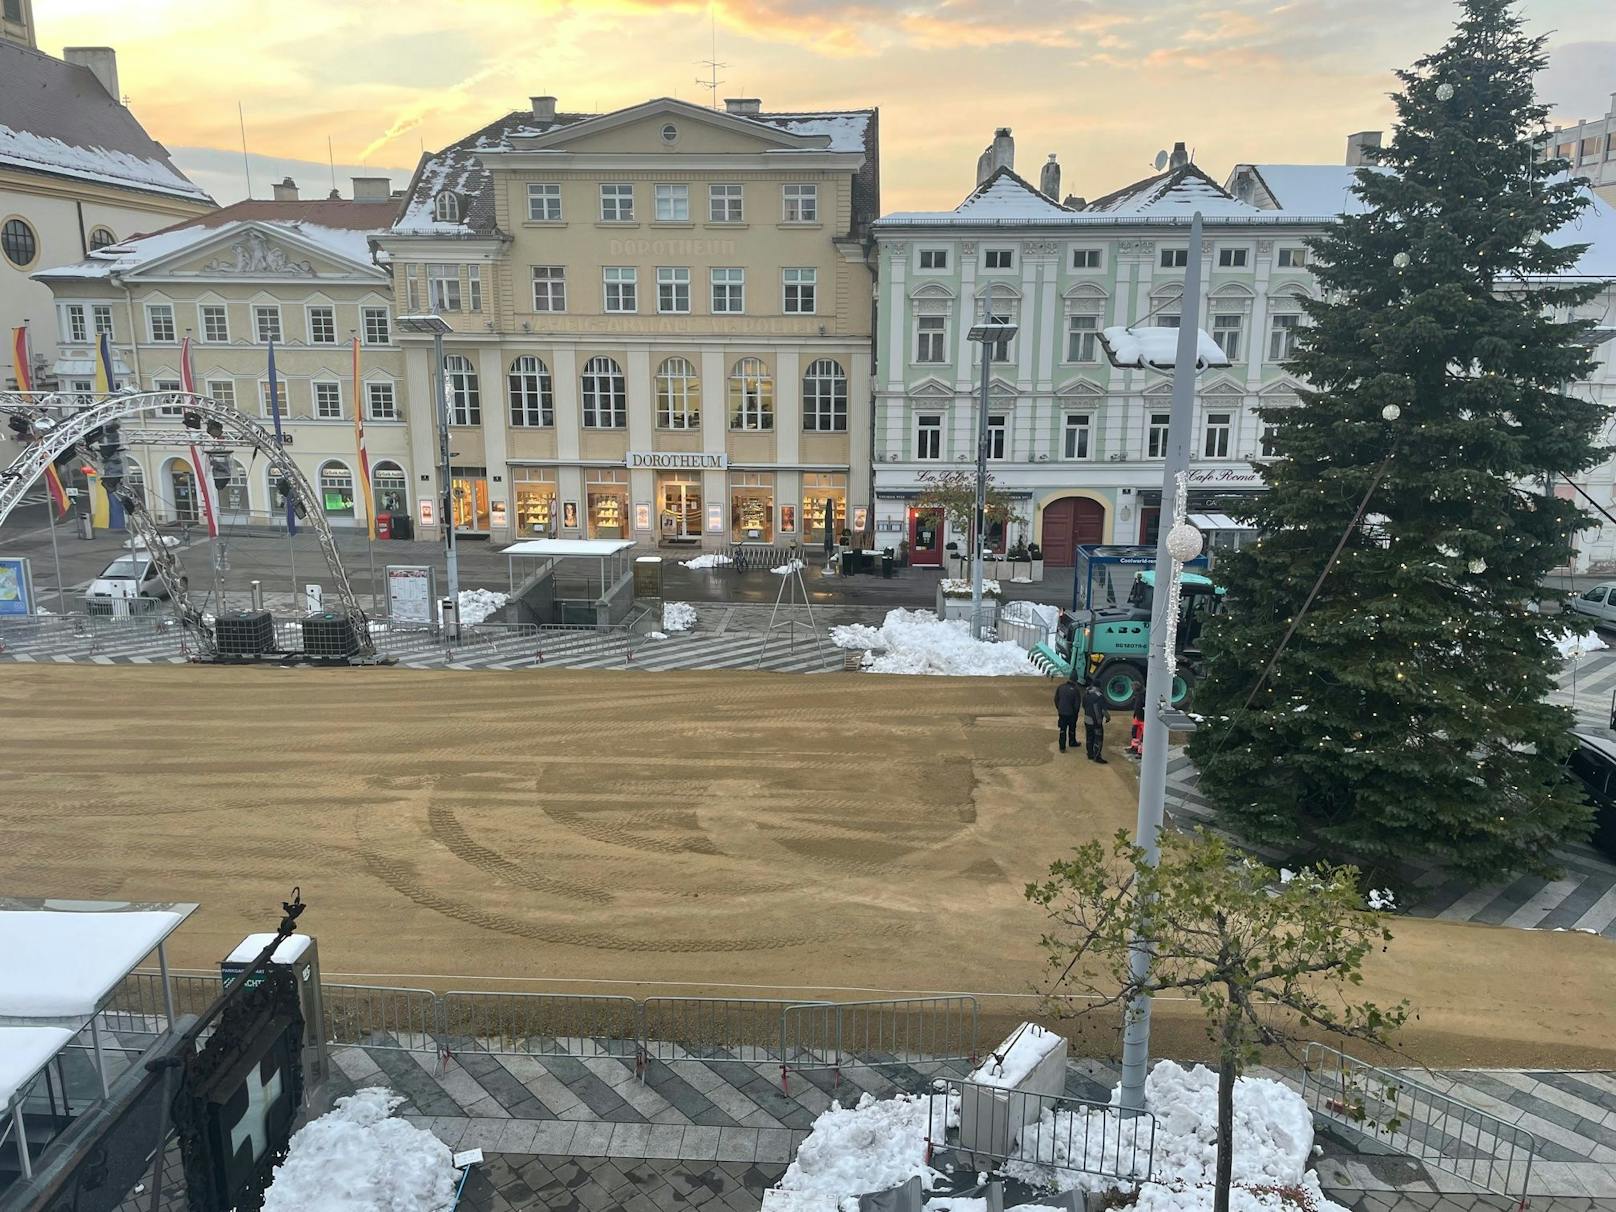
(712, 82)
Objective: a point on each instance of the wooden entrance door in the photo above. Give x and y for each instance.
(925, 538)
(1067, 523)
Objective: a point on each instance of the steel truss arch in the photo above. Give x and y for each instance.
(60, 423)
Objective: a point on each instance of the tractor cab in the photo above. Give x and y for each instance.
(1198, 597)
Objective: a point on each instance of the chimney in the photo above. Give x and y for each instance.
(1179, 158)
(285, 190)
(372, 189)
(745, 106)
(1244, 185)
(1612, 113)
(1049, 178)
(102, 61)
(543, 108)
(1074, 201)
(1357, 143)
(1004, 149)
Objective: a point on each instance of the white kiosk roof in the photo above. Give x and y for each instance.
(60, 964)
(24, 1051)
(595, 548)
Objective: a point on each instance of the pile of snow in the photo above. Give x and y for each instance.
(917, 641)
(678, 616)
(876, 1145)
(1572, 646)
(1028, 1046)
(656, 635)
(855, 635)
(955, 587)
(711, 560)
(477, 604)
(358, 1158)
(789, 567)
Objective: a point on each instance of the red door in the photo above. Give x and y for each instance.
(1067, 523)
(925, 538)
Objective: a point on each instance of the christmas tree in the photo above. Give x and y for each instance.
(1405, 719)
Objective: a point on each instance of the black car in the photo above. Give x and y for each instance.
(1594, 765)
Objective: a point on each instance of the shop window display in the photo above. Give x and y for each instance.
(752, 507)
(535, 502)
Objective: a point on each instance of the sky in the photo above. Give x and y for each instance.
(1104, 84)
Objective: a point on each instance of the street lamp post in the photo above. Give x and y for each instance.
(436, 326)
(989, 333)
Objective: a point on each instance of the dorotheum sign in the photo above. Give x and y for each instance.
(668, 460)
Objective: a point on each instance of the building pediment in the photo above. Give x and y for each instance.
(646, 128)
(256, 252)
(1286, 387)
(1079, 389)
(1083, 292)
(931, 389)
(1224, 386)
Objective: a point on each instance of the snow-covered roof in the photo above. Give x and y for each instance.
(60, 964)
(1179, 191)
(1005, 195)
(57, 119)
(1157, 347)
(339, 228)
(289, 952)
(24, 1051)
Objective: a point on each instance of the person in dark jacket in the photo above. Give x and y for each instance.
(1095, 714)
(1067, 704)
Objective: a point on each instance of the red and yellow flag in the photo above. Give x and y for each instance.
(57, 490)
(19, 358)
(359, 444)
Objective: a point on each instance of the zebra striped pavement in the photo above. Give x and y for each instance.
(1583, 898)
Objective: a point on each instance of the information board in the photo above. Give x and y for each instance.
(411, 590)
(16, 587)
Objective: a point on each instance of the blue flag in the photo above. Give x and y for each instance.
(275, 411)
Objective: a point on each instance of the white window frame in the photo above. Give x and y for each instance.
(1157, 425)
(931, 331)
(799, 291)
(1291, 256)
(369, 327)
(928, 425)
(101, 319)
(1083, 340)
(284, 401)
(1282, 329)
(171, 386)
(446, 207)
(733, 290)
(1087, 252)
(330, 314)
(723, 198)
(1232, 349)
(463, 388)
(165, 311)
(1000, 251)
(824, 397)
(329, 388)
(386, 387)
(267, 311)
(1217, 433)
(75, 323)
(530, 392)
(603, 394)
(619, 289)
(799, 203)
(443, 287)
(221, 391)
(211, 336)
(474, 288)
(1077, 436)
(678, 395)
(672, 203)
(998, 435)
(616, 202)
(1173, 257)
(1235, 256)
(673, 290)
(553, 278)
(749, 396)
(939, 255)
(544, 202)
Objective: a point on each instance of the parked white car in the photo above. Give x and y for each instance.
(1598, 603)
(132, 577)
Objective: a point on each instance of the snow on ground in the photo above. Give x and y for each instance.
(789, 567)
(678, 616)
(359, 1158)
(477, 604)
(711, 560)
(917, 641)
(870, 1147)
(656, 635)
(1572, 646)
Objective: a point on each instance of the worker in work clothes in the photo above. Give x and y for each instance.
(1095, 714)
(1067, 704)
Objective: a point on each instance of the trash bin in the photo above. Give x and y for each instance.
(86, 528)
(648, 577)
(849, 563)
(403, 528)
(384, 526)
(888, 562)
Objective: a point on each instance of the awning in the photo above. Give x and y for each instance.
(59, 965)
(1217, 521)
(562, 548)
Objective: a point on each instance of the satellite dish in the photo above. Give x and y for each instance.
(1161, 160)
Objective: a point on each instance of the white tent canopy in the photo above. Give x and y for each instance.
(1216, 521)
(562, 548)
(24, 1051)
(60, 965)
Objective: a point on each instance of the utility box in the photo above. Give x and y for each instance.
(648, 577)
(1011, 1089)
(302, 956)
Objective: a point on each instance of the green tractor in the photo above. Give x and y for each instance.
(1110, 646)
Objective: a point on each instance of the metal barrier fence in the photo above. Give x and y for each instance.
(1057, 1132)
(79, 636)
(707, 1028)
(540, 1024)
(900, 1031)
(1419, 1121)
(1018, 624)
(379, 1016)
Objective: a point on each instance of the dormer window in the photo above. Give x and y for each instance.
(446, 207)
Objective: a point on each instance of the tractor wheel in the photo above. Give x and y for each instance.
(1183, 687)
(1122, 683)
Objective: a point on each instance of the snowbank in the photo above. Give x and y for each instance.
(918, 642)
(856, 635)
(876, 1145)
(678, 616)
(789, 567)
(1572, 646)
(358, 1158)
(656, 635)
(477, 604)
(711, 560)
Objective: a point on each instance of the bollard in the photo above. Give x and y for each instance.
(257, 595)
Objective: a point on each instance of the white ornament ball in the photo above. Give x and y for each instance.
(1477, 566)
(1184, 542)
(1533, 237)
(1391, 412)
(1444, 92)
(1400, 260)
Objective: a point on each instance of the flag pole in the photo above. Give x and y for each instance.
(23, 372)
(56, 555)
(365, 493)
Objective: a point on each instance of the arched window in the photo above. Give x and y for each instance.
(751, 395)
(336, 490)
(101, 237)
(529, 385)
(678, 393)
(465, 399)
(824, 397)
(389, 488)
(446, 207)
(233, 497)
(182, 483)
(605, 396)
(18, 242)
